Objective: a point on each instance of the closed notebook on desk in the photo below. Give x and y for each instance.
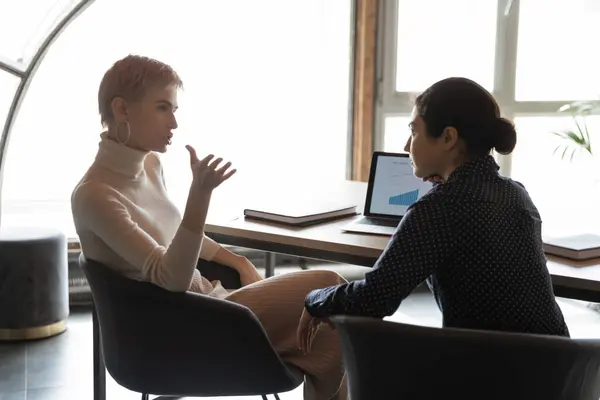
(575, 247)
(300, 213)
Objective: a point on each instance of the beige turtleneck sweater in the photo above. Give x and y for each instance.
(125, 220)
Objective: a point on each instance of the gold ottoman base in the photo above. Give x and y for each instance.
(37, 332)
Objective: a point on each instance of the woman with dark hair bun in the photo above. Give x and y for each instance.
(475, 237)
(463, 114)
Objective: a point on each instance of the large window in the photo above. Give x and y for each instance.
(429, 48)
(553, 65)
(532, 69)
(266, 85)
(421, 47)
(24, 25)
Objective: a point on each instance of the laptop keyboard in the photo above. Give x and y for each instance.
(380, 222)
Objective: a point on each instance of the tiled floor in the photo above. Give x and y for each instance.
(60, 368)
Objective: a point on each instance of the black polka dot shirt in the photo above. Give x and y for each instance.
(476, 240)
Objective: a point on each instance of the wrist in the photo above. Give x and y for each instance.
(196, 210)
(198, 189)
(201, 185)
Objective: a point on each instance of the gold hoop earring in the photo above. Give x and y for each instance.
(118, 131)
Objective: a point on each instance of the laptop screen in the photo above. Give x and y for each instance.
(393, 186)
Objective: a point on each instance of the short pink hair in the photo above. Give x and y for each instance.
(130, 78)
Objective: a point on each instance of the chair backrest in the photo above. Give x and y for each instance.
(162, 342)
(393, 360)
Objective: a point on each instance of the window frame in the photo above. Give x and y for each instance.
(390, 103)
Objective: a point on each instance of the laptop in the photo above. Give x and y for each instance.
(392, 188)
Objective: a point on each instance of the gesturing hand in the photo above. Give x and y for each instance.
(205, 173)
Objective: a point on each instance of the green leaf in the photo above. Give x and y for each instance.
(556, 149)
(566, 107)
(581, 107)
(579, 138)
(572, 154)
(588, 140)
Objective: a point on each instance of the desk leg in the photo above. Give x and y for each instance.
(99, 369)
(269, 264)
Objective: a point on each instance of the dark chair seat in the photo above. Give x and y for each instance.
(183, 344)
(388, 360)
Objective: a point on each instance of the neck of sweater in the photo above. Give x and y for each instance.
(120, 158)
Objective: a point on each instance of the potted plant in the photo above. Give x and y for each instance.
(577, 140)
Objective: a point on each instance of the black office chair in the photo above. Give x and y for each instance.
(388, 360)
(180, 344)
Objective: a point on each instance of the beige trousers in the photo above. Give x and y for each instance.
(278, 303)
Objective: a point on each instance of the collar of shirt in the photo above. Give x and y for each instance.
(480, 166)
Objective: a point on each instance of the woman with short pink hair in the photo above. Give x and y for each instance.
(125, 220)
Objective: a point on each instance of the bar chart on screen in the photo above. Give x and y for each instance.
(404, 199)
(395, 187)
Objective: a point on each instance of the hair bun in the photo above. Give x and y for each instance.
(505, 136)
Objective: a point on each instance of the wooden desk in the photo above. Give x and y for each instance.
(571, 279)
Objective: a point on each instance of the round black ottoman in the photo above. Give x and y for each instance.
(34, 283)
